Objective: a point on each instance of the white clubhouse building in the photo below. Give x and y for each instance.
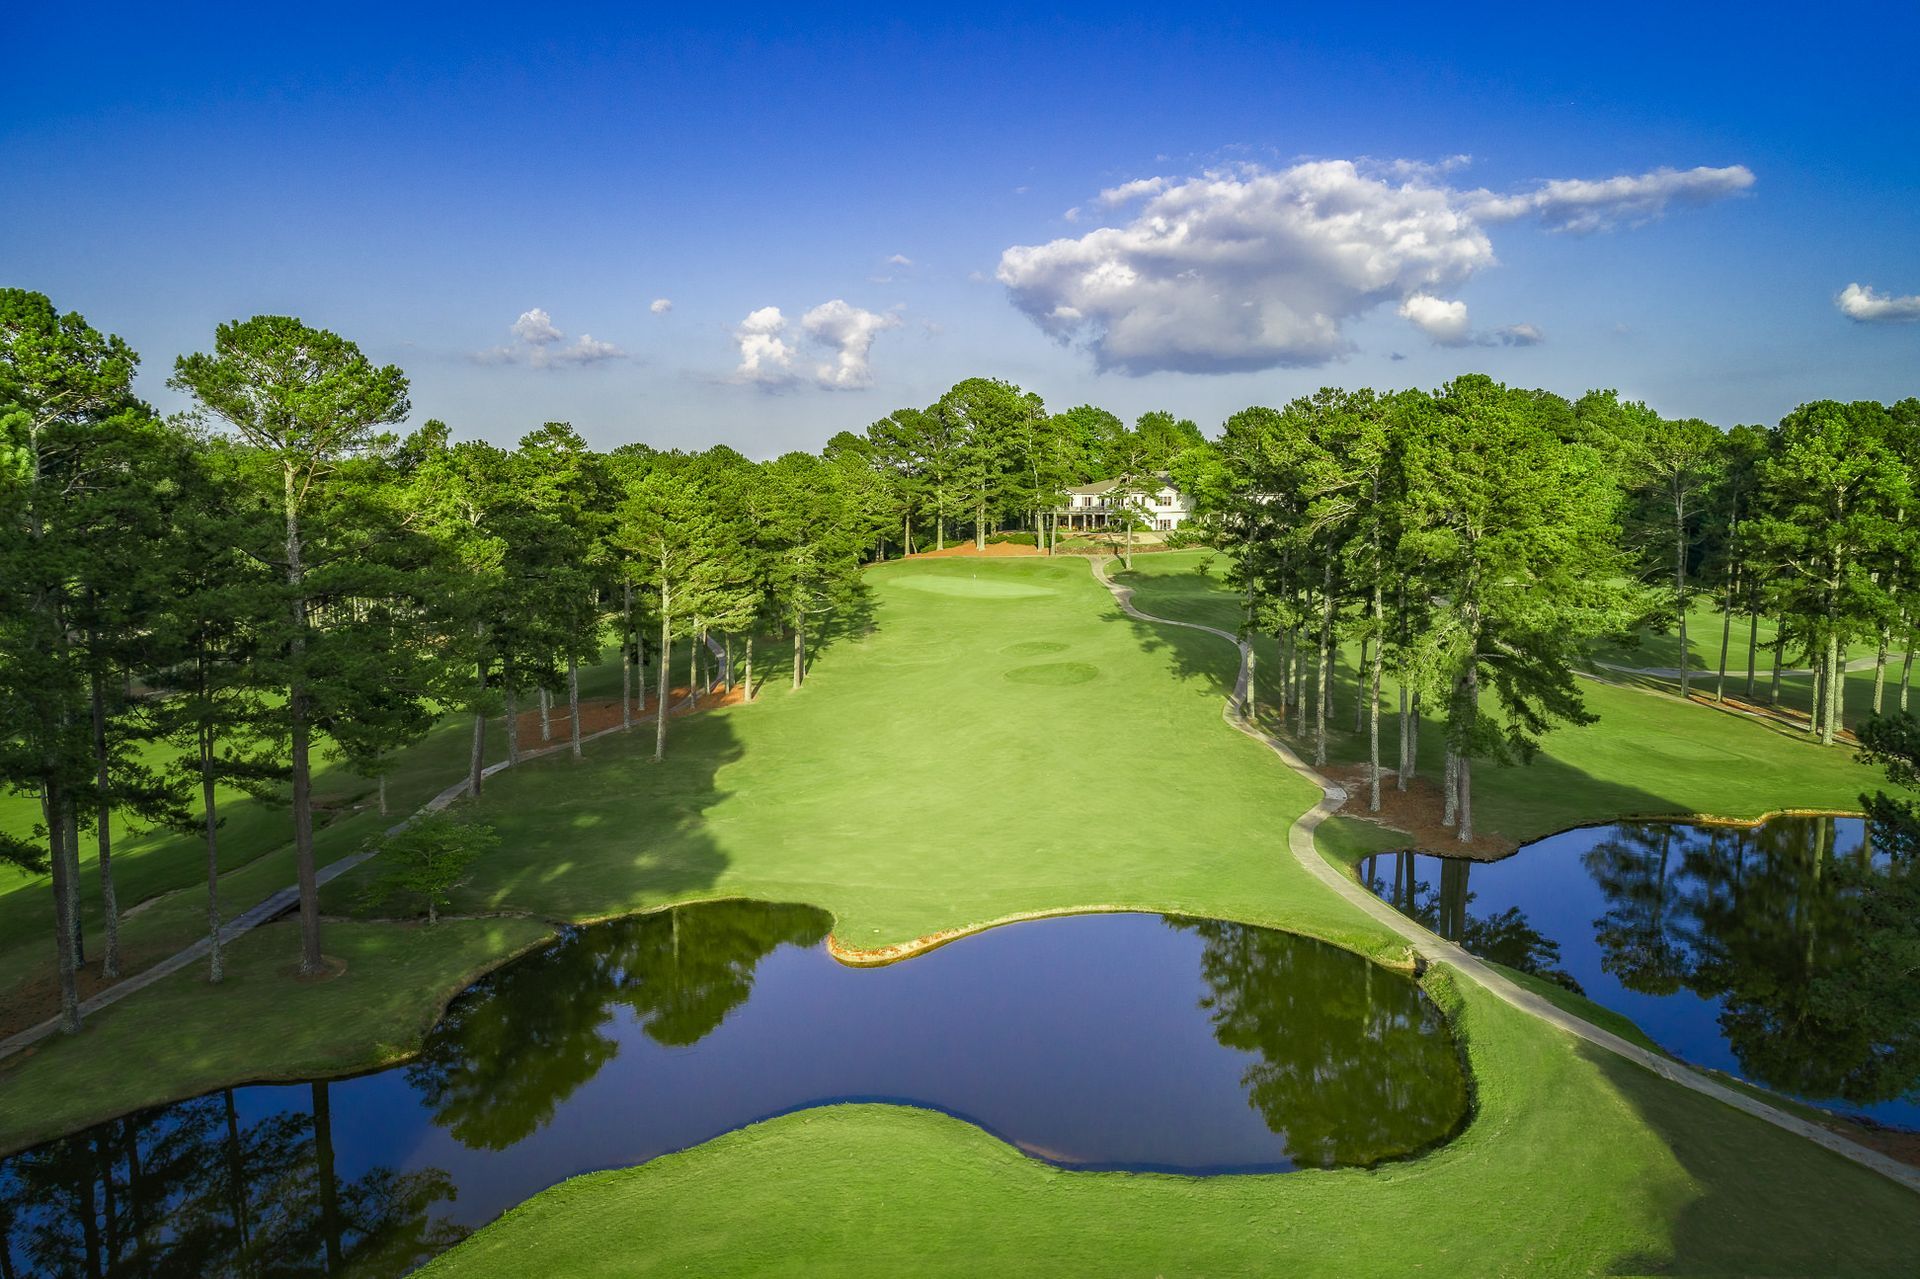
(1163, 508)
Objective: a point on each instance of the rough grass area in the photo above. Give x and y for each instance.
(183, 1036)
(1574, 1164)
(1649, 754)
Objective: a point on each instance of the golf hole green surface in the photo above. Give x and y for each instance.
(1054, 673)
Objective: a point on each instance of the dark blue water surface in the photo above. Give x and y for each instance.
(1104, 1041)
(1774, 953)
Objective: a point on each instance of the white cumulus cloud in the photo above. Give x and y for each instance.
(1245, 270)
(1443, 321)
(1588, 204)
(765, 356)
(842, 334)
(1863, 303)
(660, 306)
(849, 331)
(535, 328)
(1251, 268)
(899, 259)
(539, 343)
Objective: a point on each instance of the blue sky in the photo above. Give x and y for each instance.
(1669, 205)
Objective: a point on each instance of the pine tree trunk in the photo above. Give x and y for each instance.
(799, 648)
(1366, 664)
(747, 674)
(1463, 768)
(1726, 642)
(626, 649)
(729, 664)
(1680, 594)
(1817, 713)
(54, 812)
(1374, 667)
(573, 701)
(511, 716)
(1779, 655)
(1880, 668)
(666, 665)
(103, 831)
(980, 526)
(1906, 669)
(1413, 740)
(73, 885)
(380, 788)
(546, 716)
(477, 754)
(906, 534)
(1836, 690)
(216, 966)
(1324, 693)
(1406, 725)
(1753, 646)
(1451, 789)
(311, 962)
(1246, 703)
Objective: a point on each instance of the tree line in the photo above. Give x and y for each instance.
(1476, 542)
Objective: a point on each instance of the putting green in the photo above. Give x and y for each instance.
(1056, 673)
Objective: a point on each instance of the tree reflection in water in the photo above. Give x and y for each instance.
(520, 1042)
(1810, 947)
(1505, 938)
(191, 1190)
(1345, 1067)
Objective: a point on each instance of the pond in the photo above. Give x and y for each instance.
(1779, 954)
(1094, 1042)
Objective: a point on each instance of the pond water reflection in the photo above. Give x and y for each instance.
(1104, 1041)
(1783, 953)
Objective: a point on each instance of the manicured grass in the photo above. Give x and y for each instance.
(980, 753)
(183, 1036)
(1002, 741)
(1574, 1163)
(1649, 754)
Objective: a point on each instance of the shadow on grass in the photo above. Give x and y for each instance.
(1763, 1201)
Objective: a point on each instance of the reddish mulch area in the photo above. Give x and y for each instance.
(966, 550)
(1415, 811)
(600, 713)
(37, 997)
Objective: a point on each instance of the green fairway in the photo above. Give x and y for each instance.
(1649, 754)
(1576, 1163)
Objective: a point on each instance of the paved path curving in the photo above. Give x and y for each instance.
(1436, 949)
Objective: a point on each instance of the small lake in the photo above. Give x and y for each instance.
(1764, 952)
(1140, 1042)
